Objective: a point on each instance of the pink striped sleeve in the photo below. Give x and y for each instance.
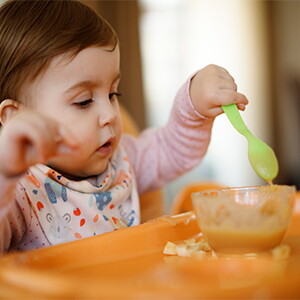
(161, 155)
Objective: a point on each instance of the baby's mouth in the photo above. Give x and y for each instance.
(106, 148)
(107, 144)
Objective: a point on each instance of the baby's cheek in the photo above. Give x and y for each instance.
(117, 141)
(118, 128)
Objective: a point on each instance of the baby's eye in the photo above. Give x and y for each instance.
(84, 104)
(113, 95)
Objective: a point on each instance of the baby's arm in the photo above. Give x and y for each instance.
(161, 155)
(26, 139)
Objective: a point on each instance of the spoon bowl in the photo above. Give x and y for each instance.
(261, 156)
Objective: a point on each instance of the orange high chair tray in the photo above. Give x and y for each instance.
(130, 264)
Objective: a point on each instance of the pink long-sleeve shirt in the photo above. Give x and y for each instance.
(50, 209)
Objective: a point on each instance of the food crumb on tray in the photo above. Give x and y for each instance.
(188, 248)
(281, 252)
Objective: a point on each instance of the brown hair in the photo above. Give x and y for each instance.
(33, 32)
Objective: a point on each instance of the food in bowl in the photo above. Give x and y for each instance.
(246, 219)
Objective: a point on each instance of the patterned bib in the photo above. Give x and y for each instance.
(68, 210)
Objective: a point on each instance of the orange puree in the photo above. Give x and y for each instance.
(242, 241)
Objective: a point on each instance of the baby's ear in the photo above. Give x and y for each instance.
(8, 108)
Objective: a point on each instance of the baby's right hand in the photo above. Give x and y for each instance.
(30, 138)
(213, 87)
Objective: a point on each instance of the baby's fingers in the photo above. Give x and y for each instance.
(38, 142)
(227, 97)
(241, 106)
(24, 143)
(41, 138)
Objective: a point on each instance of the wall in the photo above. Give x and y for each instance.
(285, 41)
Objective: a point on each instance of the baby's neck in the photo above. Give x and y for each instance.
(74, 177)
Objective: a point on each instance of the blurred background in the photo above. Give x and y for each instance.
(165, 41)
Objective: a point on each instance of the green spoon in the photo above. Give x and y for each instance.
(261, 156)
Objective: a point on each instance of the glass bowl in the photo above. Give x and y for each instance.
(245, 219)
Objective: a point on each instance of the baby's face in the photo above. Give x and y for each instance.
(80, 94)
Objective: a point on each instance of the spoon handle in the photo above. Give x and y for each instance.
(236, 120)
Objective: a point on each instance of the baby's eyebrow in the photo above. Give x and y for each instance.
(84, 83)
(89, 84)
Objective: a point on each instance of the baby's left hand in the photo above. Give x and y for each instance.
(213, 87)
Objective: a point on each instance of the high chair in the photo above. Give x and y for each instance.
(182, 201)
(151, 203)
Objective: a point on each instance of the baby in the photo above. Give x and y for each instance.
(66, 171)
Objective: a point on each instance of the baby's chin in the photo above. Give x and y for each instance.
(79, 175)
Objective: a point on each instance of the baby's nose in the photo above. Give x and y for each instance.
(107, 114)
